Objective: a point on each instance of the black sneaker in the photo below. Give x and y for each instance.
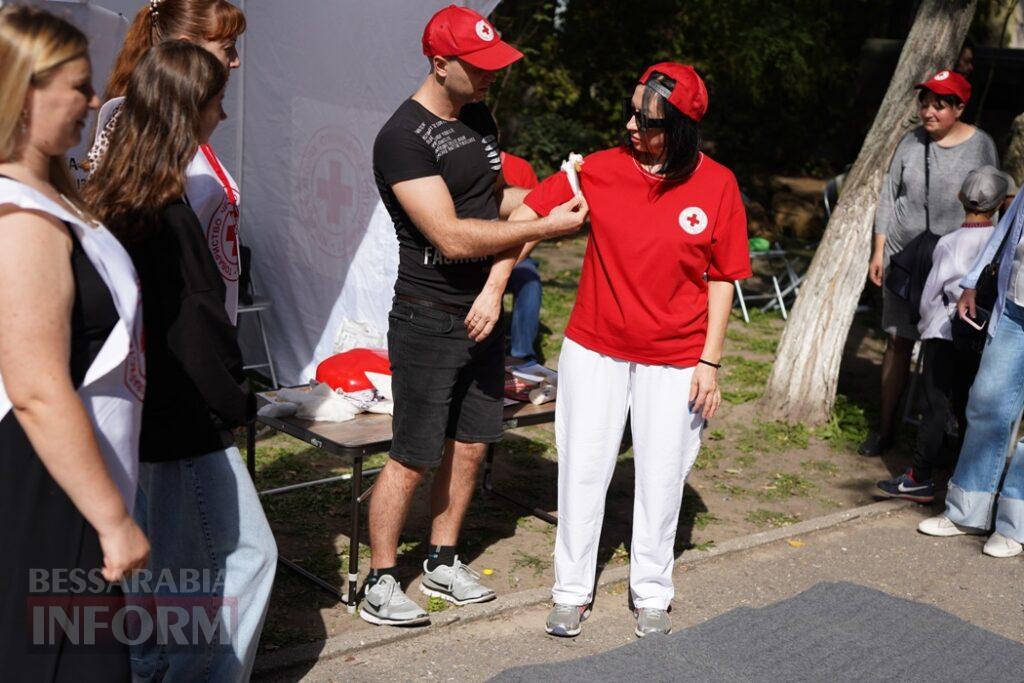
(905, 486)
(875, 444)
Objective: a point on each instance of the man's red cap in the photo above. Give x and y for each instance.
(948, 82)
(461, 32)
(689, 94)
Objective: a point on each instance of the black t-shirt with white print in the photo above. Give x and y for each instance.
(415, 143)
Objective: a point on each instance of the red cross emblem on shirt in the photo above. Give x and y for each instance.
(693, 220)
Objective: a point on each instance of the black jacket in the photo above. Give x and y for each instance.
(195, 387)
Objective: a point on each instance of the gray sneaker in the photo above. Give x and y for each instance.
(650, 620)
(564, 620)
(386, 605)
(457, 584)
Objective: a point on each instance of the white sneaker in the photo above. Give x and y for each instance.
(385, 604)
(941, 525)
(998, 545)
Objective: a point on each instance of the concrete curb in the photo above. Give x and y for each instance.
(347, 644)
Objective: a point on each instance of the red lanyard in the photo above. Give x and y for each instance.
(219, 170)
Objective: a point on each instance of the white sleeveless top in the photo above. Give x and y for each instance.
(206, 188)
(115, 383)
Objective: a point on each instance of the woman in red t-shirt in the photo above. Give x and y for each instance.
(668, 238)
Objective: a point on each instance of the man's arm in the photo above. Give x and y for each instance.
(509, 199)
(429, 204)
(486, 310)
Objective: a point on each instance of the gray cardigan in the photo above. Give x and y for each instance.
(901, 215)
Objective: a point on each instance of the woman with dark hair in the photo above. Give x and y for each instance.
(920, 192)
(668, 238)
(196, 499)
(71, 374)
(214, 25)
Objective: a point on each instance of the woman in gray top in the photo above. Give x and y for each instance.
(952, 149)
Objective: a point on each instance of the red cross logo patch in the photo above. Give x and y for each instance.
(693, 220)
(484, 30)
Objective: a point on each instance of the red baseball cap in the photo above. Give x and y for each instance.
(689, 95)
(948, 82)
(461, 32)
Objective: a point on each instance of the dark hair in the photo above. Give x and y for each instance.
(156, 137)
(948, 100)
(682, 134)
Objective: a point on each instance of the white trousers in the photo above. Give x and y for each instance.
(595, 393)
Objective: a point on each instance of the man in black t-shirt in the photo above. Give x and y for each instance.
(438, 170)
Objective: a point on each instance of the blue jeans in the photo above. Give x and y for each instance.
(524, 283)
(997, 397)
(203, 516)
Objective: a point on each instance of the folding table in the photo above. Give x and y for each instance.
(365, 435)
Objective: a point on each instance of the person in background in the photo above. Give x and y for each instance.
(983, 488)
(949, 371)
(212, 192)
(965, 61)
(947, 148)
(71, 371)
(196, 498)
(524, 283)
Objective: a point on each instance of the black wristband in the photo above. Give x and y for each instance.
(716, 366)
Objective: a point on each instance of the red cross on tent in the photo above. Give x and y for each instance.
(333, 193)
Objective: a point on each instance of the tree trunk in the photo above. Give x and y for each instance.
(802, 385)
(1013, 159)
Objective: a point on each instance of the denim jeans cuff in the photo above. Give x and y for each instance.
(969, 508)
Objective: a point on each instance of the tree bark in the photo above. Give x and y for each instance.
(802, 385)
(1013, 159)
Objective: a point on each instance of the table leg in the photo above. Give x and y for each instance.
(250, 449)
(353, 552)
(488, 487)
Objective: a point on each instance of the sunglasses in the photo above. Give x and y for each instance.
(643, 122)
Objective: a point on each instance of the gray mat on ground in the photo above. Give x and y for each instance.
(830, 632)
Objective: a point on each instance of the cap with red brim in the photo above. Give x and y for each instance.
(492, 58)
(948, 82)
(460, 32)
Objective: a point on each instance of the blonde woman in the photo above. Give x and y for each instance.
(71, 375)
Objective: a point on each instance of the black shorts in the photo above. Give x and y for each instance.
(445, 385)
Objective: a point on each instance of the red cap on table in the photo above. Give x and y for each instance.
(948, 82)
(461, 32)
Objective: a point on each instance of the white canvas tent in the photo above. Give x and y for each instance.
(318, 79)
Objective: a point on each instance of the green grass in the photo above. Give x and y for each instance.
(847, 427)
(822, 466)
(559, 297)
(700, 545)
(760, 336)
(773, 437)
(436, 604)
(526, 561)
(745, 461)
(743, 380)
(702, 520)
(731, 489)
(786, 485)
(707, 458)
(769, 519)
